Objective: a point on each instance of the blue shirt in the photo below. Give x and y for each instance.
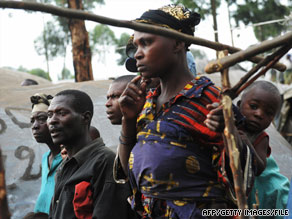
(191, 63)
(289, 205)
(272, 187)
(48, 183)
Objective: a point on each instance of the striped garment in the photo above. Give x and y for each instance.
(176, 155)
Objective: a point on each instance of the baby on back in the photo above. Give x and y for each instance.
(259, 104)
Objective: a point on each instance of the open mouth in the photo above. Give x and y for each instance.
(55, 132)
(110, 116)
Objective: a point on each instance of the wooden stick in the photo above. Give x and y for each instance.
(234, 153)
(230, 141)
(218, 65)
(280, 52)
(78, 14)
(224, 73)
(4, 210)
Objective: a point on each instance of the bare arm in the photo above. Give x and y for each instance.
(131, 103)
(215, 122)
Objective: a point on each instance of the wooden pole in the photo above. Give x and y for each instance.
(280, 53)
(218, 65)
(231, 141)
(4, 210)
(78, 14)
(234, 153)
(242, 84)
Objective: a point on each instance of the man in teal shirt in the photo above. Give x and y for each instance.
(51, 159)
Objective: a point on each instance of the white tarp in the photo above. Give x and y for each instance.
(22, 155)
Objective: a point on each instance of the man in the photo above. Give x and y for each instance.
(84, 184)
(114, 92)
(51, 159)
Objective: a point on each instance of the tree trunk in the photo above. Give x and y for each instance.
(229, 20)
(214, 15)
(80, 45)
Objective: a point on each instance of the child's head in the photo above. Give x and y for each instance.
(259, 104)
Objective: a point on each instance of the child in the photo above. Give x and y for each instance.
(259, 104)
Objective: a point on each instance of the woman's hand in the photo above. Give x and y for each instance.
(215, 118)
(133, 98)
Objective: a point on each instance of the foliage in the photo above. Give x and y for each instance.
(40, 72)
(198, 54)
(102, 35)
(56, 34)
(36, 71)
(259, 11)
(52, 42)
(200, 6)
(65, 74)
(87, 4)
(121, 48)
(22, 69)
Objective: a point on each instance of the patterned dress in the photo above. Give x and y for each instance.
(173, 166)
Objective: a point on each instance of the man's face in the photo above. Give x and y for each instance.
(39, 127)
(154, 55)
(113, 108)
(65, 124)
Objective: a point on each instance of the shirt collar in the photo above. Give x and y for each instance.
(82, 155)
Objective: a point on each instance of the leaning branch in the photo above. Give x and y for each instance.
(275, 58)
(228, 61)
(78, 14)
(243, 83)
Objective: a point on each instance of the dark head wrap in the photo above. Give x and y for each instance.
(175, 17)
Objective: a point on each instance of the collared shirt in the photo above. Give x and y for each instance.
(85, 187)
(48, 182)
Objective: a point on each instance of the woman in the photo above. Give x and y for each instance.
(166, 150)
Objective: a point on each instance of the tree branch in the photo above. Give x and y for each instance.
(271, 60)
(79, 14)
(234, 153)
(230, 140)
(228, 61)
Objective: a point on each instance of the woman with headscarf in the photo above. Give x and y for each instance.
(168, 153)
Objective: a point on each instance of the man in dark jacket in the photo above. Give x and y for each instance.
(84, 184)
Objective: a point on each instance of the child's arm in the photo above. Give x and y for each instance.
(261, 153)
(215, 122)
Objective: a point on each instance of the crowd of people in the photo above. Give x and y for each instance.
(172, 160)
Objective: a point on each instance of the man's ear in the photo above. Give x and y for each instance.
(179, 45)
(87, 116)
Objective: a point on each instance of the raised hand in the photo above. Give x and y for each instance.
(215, 119)
(133, 98)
